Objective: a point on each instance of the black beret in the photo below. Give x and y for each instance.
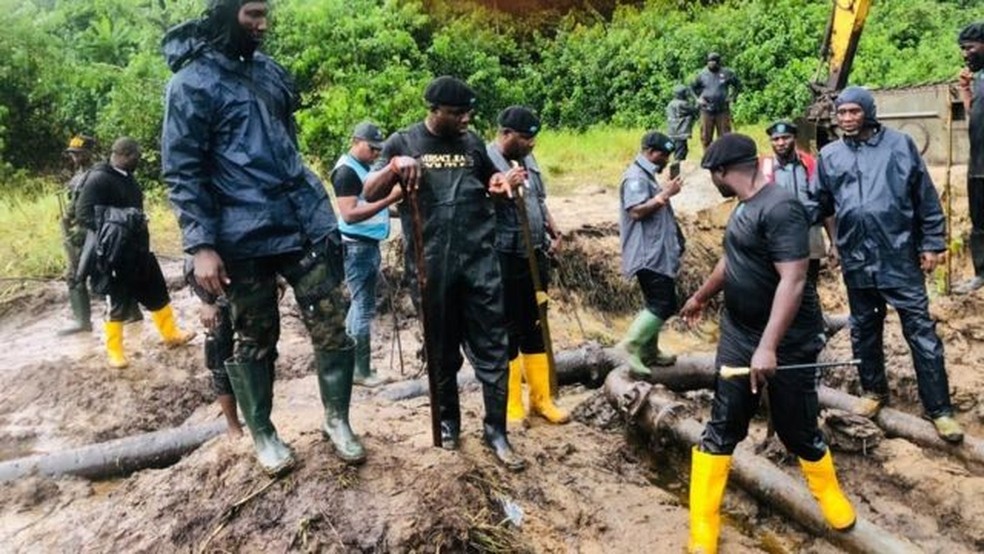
(972, 33)
(730, 149)
(657, 141)
(781, 128)
(519, 119)
(448, 91)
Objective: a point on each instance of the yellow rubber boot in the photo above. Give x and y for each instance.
(708, 477)
(515, 411)
(114, 345)
(168, 328)
(822, 480)
(538, 376)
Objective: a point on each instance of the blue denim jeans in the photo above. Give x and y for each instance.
(362, 260)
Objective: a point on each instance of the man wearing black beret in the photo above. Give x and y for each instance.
(765, 322)
(446, 171)
(971, 85)
(512, 147)
(651, 249)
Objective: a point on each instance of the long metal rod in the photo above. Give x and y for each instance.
(728, 372)
(539, 293)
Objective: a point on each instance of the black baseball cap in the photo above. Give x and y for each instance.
(370, 133)
(657, 141)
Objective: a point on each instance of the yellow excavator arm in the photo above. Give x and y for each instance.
(840, 43)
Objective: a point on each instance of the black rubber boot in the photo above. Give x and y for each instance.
(450, 434)
(253, 384)
(494, 427)
(78, 297)
(335, 372)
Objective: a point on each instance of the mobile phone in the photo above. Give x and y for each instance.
(674, 170)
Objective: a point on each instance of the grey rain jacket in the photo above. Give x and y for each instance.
(230, 155)
(887, 209)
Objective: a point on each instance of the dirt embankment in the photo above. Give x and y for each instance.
(587, 488)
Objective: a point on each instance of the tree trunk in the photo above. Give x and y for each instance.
(116, 457)
(656, 415)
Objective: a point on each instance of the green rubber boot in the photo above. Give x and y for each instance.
(253, 384)
(365, 376)
(631, 348)
(652, 355)
(78, 298)
(335, 373)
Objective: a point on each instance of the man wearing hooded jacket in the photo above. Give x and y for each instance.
(971, 85)
(445, 170)
(249, 211)
(889, 230)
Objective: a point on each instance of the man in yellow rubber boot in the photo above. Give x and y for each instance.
(518, 127)
(770, 317)
(110, 207)
(652, 245)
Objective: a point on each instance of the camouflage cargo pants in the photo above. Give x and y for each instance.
(317, 278)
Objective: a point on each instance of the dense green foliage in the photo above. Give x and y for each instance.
(68, 66)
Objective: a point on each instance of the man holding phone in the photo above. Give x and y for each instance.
(652, 246)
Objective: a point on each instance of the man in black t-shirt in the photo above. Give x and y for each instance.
(971, 86)
(363, 226)
(448, 169)
(770, 317)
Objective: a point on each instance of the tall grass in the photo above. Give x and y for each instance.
(599, 156)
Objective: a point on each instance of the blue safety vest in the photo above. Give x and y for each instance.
(376, 227)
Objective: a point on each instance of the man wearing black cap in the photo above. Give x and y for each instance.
(766, 322)
(971, 85)
(250, 211)
(79, 154)
(889, 232)
(715, 88)
(795, 171)
(513, 146)
(652, 245)
(448, 169)
(363, 225)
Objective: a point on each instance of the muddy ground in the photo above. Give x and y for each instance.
(591, 486)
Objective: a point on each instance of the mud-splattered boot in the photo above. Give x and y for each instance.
(630, 348)
(78, 297)
(335, 373)
(494, 428)
(365, 376)
(252, 383)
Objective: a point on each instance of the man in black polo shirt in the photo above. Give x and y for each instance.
(447, 167)
(765, 323)
(971, 85)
